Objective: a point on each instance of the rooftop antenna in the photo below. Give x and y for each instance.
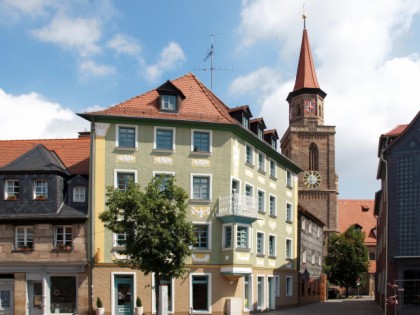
(212, 68)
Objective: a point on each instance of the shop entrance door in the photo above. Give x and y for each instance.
(34, 297)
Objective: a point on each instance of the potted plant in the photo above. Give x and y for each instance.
(11, 197)
(138, 310)
(100, 310)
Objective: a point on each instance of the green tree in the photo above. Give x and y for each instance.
(347, 258)
(158, 235)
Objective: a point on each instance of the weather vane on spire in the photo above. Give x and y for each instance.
(304, 16)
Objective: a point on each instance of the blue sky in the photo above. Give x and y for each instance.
(59, 58)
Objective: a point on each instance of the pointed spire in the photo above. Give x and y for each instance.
(306, 75)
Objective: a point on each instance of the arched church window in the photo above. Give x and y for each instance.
(313, 157)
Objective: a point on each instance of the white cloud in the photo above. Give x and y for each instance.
(78, 34)
(261, 80)
(170, 58)
(369, 89)
(41, 118)
(88, 68)
(125, 44)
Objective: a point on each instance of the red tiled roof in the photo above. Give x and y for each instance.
(359, 212)
(74, 153)
(146, 105)
(306, 75)
(397, 130)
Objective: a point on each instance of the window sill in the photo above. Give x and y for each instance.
(62, 250)
(200, 200)
(273, 177)
(289, 186)
(262, 172)
(272, 257)
(23, 250)
(166, 151)
(202, 250)
(289, 222)
(201, 153)
(273, 216)
(249, 164)
(41, 199)
(260, 255)
(261, 212)
(242, 249)
(126, 148)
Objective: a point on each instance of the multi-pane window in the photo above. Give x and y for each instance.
(200, 286)
(261, 162)
(304, 256)
(261, 201)
(126, 137)
(277, 285)
(242, 236)
(273, 169)
(260, 243)
(248, 190)
(164, 139)
(170, 285)
(41, 189)
(63, 294)
(5, 299)
(289, 248)
(119, 239)
(372, 256)
(63, 236)
(273, 205)
(79, 194)
(12, 189)
(201, 233)
(201, 141)
(289, 288)
(260, 133)
(164, 177)
(245, 122)
(260, 293)
(201, 187)
(289, 214)
(227, 236)
(247, 292)
(123, 179)
(249, 152)
(274, 143)
(289, 177)
(24, 237)
(168, 102)
(271, 245)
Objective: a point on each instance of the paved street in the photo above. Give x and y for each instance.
(364, 306)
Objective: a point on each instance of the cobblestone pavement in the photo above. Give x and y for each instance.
(365, 306)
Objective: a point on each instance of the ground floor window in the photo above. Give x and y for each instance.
(260, 292)
(63, 294)
(200, 285)
(247, 293)
(170, 284)
(289, 288)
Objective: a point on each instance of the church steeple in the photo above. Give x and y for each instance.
(306, 99)
(306, 75)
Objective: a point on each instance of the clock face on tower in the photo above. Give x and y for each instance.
(312, 179)
(310, 105)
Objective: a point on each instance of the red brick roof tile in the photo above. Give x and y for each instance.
(397, 130)
(74, 153)
(146, 105)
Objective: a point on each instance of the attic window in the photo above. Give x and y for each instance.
(260, 133)
(365, 208)
(245, 122)
(168, 102)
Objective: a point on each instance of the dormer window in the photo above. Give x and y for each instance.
(260, 133)
(274, 143)
(245, 122)
(168, 102)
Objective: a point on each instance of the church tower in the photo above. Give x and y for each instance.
(310, 143)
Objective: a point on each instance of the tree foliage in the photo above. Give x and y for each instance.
(347, 258)
(158, 234)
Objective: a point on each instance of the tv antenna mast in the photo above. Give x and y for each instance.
(212, 68)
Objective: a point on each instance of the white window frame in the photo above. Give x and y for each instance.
(263, 210)
(289, 179)
(163, 173)
(261, 167)
(248, 235)
(117, 136)
(274, 237)
(313, 259)
(210, 132)
(252, 189)
(290, 250)
(224, 226)
(209, 235)
(273, 171)
(303, 224)
(43, 191)
(264, 295)
(115, 239)
(209, 296)
(249, 293)
(210, 176)
(320, 260)
(289, 286)
(113, 276)
(251, 154)
(168, 108)
(11, 183)
(26, 241)
(79, 194)
(263, 243)
(65, 241)
(304, 257)
(171, 284)
(274, 197)
(117, 171)
(155, 129)
(289, 212)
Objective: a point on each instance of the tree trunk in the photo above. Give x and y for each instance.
(157, 286)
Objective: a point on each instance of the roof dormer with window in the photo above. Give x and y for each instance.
(170, 97)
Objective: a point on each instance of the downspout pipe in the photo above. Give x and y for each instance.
(386, 230)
